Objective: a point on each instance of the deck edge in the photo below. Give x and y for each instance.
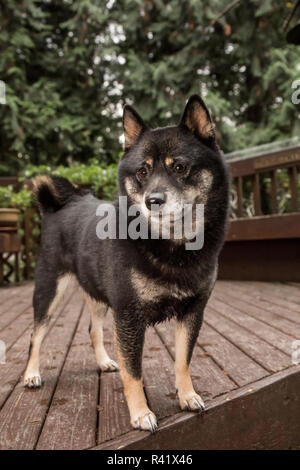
(248, 405)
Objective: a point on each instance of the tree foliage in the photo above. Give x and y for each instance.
(70, 65)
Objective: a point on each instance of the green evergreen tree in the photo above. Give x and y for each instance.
(55, 61)
(70, 65)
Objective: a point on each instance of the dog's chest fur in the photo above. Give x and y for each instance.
(165, 291)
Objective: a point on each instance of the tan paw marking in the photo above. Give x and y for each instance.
(109, 366)
(146, 422)
(32, 381)
(192, 402)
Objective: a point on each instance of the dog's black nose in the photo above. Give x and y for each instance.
(157, 199)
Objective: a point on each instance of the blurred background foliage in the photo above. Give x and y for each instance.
(70, 65)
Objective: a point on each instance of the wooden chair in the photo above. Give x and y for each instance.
(10, 246)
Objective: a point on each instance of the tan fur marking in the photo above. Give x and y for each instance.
(133, 391)
(169, 161)
(149, 162)
(183, 379)
(200, 192)
(61, 288)
(132, 191)
(32, 369)
(41, 180)
(149, 290)
(98, 311)
(197, 120)
(132, 129)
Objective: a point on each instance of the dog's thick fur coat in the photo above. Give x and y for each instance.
(142, 281)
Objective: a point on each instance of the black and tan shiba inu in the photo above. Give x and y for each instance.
(142, 280)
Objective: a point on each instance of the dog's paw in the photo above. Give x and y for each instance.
(192, 402)
(109, 366)
(146, 422)
(32, 380)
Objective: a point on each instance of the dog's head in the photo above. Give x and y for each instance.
(164, 169)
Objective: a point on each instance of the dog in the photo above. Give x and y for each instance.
(142, 280)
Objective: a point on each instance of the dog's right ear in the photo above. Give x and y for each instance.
(133, 126)
(197, 119)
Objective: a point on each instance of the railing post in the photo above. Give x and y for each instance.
(256, 194)
(239, 196)
(293, 188)
(274, 202)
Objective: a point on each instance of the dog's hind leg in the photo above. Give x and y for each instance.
(98, 312)
(47, 295)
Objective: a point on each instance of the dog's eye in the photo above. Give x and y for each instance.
(142, 172)
(179, 168)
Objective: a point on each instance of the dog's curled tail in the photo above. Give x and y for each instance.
(53, 192)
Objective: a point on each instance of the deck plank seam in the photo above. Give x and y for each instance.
(59, 374)
(28, 291)
(244, 312)
(284, 294)
(16, 317)
(206, 352)
(50, 328)
(20, 335)
(169, 352)
(251, 332)
(217, 363)
(271, 301)
(261, 308)
(97, 428)
(237, 346)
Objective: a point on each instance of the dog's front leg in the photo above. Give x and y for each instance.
(130, 340)
(186, 335)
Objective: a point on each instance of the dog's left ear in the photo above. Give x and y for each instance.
(133, 126)
(197, 119)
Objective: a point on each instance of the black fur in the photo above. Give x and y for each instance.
(104, 267)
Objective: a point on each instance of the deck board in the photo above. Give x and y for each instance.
(23, 414)
(113, 412)
(252, 307)
(261, 352)
(234, 362)
(73, 427)
(209, 380)
(14, 306)
(244, 345)
(266, 332)
(260, 296)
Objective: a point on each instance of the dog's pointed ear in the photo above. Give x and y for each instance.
(197, 119)
(133, 125)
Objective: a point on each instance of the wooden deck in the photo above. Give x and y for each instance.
(242, 367)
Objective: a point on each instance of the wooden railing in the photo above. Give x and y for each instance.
(249, 219)
(263, 239)
(252, 219)
(266, 164)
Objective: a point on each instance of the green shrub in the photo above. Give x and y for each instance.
(102, 179)
(21, 200)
